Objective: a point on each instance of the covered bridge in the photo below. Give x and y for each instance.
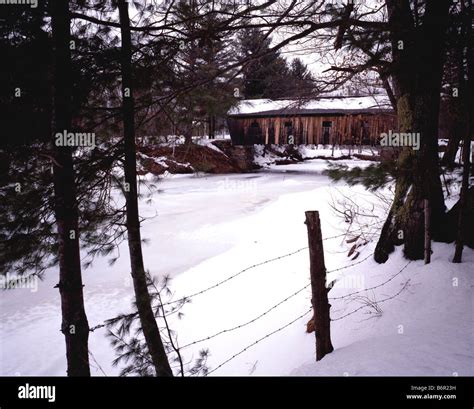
(327, 121)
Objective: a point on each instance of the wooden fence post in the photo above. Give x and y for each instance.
(319, 296)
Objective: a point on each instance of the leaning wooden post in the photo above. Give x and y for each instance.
(319, 296)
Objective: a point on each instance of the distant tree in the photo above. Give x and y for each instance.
(201, 65)
(270, 76)
(300, 81)
(265, 76)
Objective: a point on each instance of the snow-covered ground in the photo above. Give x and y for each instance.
(206, 229)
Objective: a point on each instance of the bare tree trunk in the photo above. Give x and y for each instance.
(147, 318)
(74, 320)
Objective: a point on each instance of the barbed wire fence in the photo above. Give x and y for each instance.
(219, 283)
(279, 303)
(257, 341)
(310, 310)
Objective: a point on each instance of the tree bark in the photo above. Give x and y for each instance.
(74, 321)
(147, 318)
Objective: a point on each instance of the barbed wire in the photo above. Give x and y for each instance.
(270, 309)
(248, 322)
(186, 298)
(372, 288)
(352, 231)
(182, 299)
(301, 316)
(261, 315)
(257, 341)
(288, 298)
(97, 363)
(378, 302)
(350, 265)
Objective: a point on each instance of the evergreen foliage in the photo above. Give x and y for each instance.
(268, 74)
(372, 177)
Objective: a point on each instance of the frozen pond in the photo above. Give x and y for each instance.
(194, 212)
(191, 218)
(205, 230)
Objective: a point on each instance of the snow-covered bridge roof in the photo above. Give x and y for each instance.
(324, 105)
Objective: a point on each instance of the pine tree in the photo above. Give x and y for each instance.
(300, 81)
(265, 75)
(140, 284)
(201, 78)
(74, 325)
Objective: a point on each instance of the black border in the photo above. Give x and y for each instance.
(238, 393)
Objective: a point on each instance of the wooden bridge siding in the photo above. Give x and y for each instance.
(309, 129)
